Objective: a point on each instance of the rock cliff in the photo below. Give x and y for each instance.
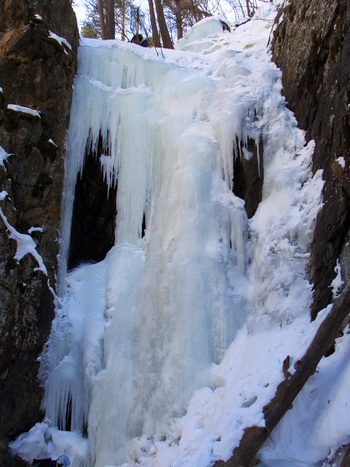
(38, 45)
(311, 46)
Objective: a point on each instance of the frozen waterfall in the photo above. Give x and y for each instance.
(170, 306)
(162, 317)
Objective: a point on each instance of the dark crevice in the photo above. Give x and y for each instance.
(143, 225)
(68, 425)
(248, 173)
(94, 211)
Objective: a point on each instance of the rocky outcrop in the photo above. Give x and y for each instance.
(311, 45)
(38, 45)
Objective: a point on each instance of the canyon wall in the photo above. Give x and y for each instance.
(311, 45)
(38, 47)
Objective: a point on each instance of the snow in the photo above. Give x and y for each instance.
(61, 40)
(173, 344)
(51, 141)
(341, 161)
(206, 27)
(3, 156)
(3, 195)
(25, 243)
(35, 229)
(337, 283)
(24, 110)
(51, 443)
(319, 422)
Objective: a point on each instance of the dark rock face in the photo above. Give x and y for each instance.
(36, 72)
(311, 45)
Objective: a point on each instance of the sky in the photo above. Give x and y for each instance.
(80, 11)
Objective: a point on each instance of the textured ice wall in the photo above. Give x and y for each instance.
(169, 307)
(136, 334)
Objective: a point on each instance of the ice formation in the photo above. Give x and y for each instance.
(164, 351)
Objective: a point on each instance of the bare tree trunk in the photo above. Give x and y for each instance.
(167, 43)
(178, 19)
(110, 24)
(250, 9)
(137, 20)
(156, 38)
(106, 13)
(123, 21)
(254, 437)
(102, 18)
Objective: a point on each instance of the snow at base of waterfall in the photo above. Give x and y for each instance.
(173, 344)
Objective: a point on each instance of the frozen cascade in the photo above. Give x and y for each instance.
(168, 297)
(163, 316)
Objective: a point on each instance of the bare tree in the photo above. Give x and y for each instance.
(164, 32)
(123, 22)
(102, 18)
(155, 34)
(244, 8)
(110, 24)
(178, 16)
(106, 13)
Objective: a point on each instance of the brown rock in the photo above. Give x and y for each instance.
(36, 74)
(311, 45)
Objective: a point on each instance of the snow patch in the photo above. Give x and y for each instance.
(25, 245)
(50, 443)
(61, 40)
(51, 141)
(3, 156)
(24, 110)
(341, 161)
(35, 229)
(337, 283)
